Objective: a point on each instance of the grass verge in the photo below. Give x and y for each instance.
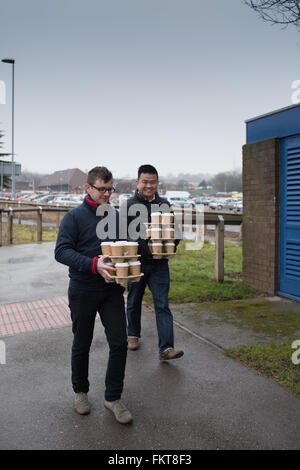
(192, 275)
(28, 234)
(273, 361)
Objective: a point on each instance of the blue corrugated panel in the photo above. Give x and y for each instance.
(290, 217)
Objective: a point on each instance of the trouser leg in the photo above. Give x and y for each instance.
(159, 284)
(83, 308)
(113, 317)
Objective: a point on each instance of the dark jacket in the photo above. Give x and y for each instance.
(78, 245)
(158, 203)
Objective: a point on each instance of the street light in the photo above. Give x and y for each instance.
(13, 181)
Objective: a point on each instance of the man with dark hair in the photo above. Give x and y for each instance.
(78, 247)
(156, 272)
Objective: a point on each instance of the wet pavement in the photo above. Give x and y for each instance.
(204, 400)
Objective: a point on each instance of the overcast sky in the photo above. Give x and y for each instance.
(121, 83)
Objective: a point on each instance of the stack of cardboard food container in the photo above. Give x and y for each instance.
(123, 256)
(161, 232)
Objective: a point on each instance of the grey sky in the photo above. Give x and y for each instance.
(125, 82)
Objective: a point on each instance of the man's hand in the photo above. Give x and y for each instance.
(102, 268)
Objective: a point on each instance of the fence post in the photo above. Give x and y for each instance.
(19, 217)
(241, 233)
(10, 225)
(58, 219)
(219, 260)
(39, 224)
(0, 227)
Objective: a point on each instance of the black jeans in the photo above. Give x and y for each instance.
(84, 305)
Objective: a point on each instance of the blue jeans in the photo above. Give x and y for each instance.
(157, 277)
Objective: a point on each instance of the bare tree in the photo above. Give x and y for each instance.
(284, 12)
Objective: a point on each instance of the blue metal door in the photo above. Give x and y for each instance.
(290, 218)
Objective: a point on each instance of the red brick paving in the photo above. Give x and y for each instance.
(35, 315)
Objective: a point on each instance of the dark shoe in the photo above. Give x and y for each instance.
(133, 344)
(81, 403)
(170, 354)
(120, 411)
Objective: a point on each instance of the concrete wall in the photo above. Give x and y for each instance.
(261, 215)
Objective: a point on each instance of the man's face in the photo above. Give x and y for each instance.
(100, 197)
(147, 185)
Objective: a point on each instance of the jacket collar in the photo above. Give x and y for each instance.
(91, 202)
(146, 201)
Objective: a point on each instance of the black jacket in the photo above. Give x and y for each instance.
(157, 204)
(78, 245)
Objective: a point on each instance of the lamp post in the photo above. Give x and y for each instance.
(13, 180)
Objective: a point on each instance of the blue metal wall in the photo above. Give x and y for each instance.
(285, 125)
(290, 217)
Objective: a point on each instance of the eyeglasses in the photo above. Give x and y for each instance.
(103, 190)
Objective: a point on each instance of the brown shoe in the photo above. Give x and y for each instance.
(170, 354)
(133, 344)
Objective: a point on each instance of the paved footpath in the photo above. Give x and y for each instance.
(201, 401)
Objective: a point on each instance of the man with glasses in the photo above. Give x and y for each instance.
(156, 271)
(78, 247)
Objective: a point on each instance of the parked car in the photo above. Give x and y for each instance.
(218, 204)
(201, 200)
(179, 202)
(33, 196)
(238, 207)
(45, 199)
(65, 200)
